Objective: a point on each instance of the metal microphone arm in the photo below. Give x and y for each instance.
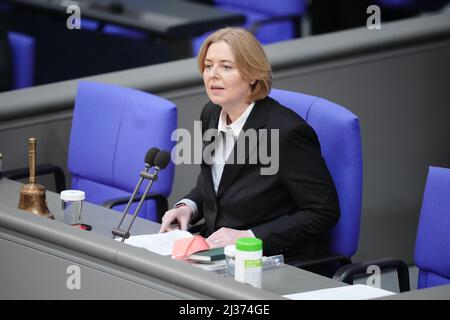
(143, 175)
(152, 177)
(160, 159)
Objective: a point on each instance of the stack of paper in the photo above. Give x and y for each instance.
(161, 243)
(354, 292)
(210, 266)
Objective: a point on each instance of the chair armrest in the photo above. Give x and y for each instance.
(295, 19)
(342, 260)
(161, 203)
(46, 168)
(324, 265)
(346, 273)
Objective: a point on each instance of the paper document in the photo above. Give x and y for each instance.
(161, 243)
(354, 292)
(211, 266)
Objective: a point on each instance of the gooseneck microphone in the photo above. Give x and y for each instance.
(154, 157)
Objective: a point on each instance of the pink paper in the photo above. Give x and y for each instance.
(184, 247)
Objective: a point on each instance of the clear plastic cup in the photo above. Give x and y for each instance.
(72, 205)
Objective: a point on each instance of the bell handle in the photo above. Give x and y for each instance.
(32, 159)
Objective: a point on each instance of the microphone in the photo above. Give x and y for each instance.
(150, 157)
(154, 157)
(162, 160)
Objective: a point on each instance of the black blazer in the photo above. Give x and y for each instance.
(290, 211)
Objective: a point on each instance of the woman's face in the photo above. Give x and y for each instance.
(223, 82)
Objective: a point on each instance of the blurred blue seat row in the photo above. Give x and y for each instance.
(269, 21)
(22, 49)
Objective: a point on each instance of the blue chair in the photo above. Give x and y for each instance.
(270, 21)
(432, 251)
(340, 139)
(22, 49)
(112, 129)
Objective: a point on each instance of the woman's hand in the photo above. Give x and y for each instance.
(182, 215)
(226, 236)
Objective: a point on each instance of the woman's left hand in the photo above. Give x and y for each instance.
(226, 236)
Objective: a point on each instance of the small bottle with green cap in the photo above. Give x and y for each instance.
(248, 264)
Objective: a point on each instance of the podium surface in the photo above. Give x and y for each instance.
(46, 259)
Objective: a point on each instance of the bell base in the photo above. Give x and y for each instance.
(32, 199)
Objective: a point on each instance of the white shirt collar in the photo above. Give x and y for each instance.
(237, 125)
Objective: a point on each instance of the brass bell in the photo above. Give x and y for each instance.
(32, 195)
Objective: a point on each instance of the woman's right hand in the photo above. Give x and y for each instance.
(181, 214)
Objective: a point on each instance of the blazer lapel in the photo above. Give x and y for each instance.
(256, 120)
(206, 168)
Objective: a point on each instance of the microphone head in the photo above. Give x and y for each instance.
(150, 156)
(162, 159)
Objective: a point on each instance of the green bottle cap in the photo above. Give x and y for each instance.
(249, 244)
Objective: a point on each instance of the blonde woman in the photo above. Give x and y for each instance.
(290, 210)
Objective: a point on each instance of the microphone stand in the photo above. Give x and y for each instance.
(143, 175)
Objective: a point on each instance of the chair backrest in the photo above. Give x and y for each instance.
(339, 135)
(432, 252)
(112, 129)
(22, 49)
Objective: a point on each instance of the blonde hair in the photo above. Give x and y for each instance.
(250, 58)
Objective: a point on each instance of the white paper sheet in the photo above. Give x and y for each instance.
(216, 265)
(161, 243)
(354, 292)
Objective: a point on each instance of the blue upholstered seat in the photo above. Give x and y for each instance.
(339, 134)
(432, 253)
(112, 129)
